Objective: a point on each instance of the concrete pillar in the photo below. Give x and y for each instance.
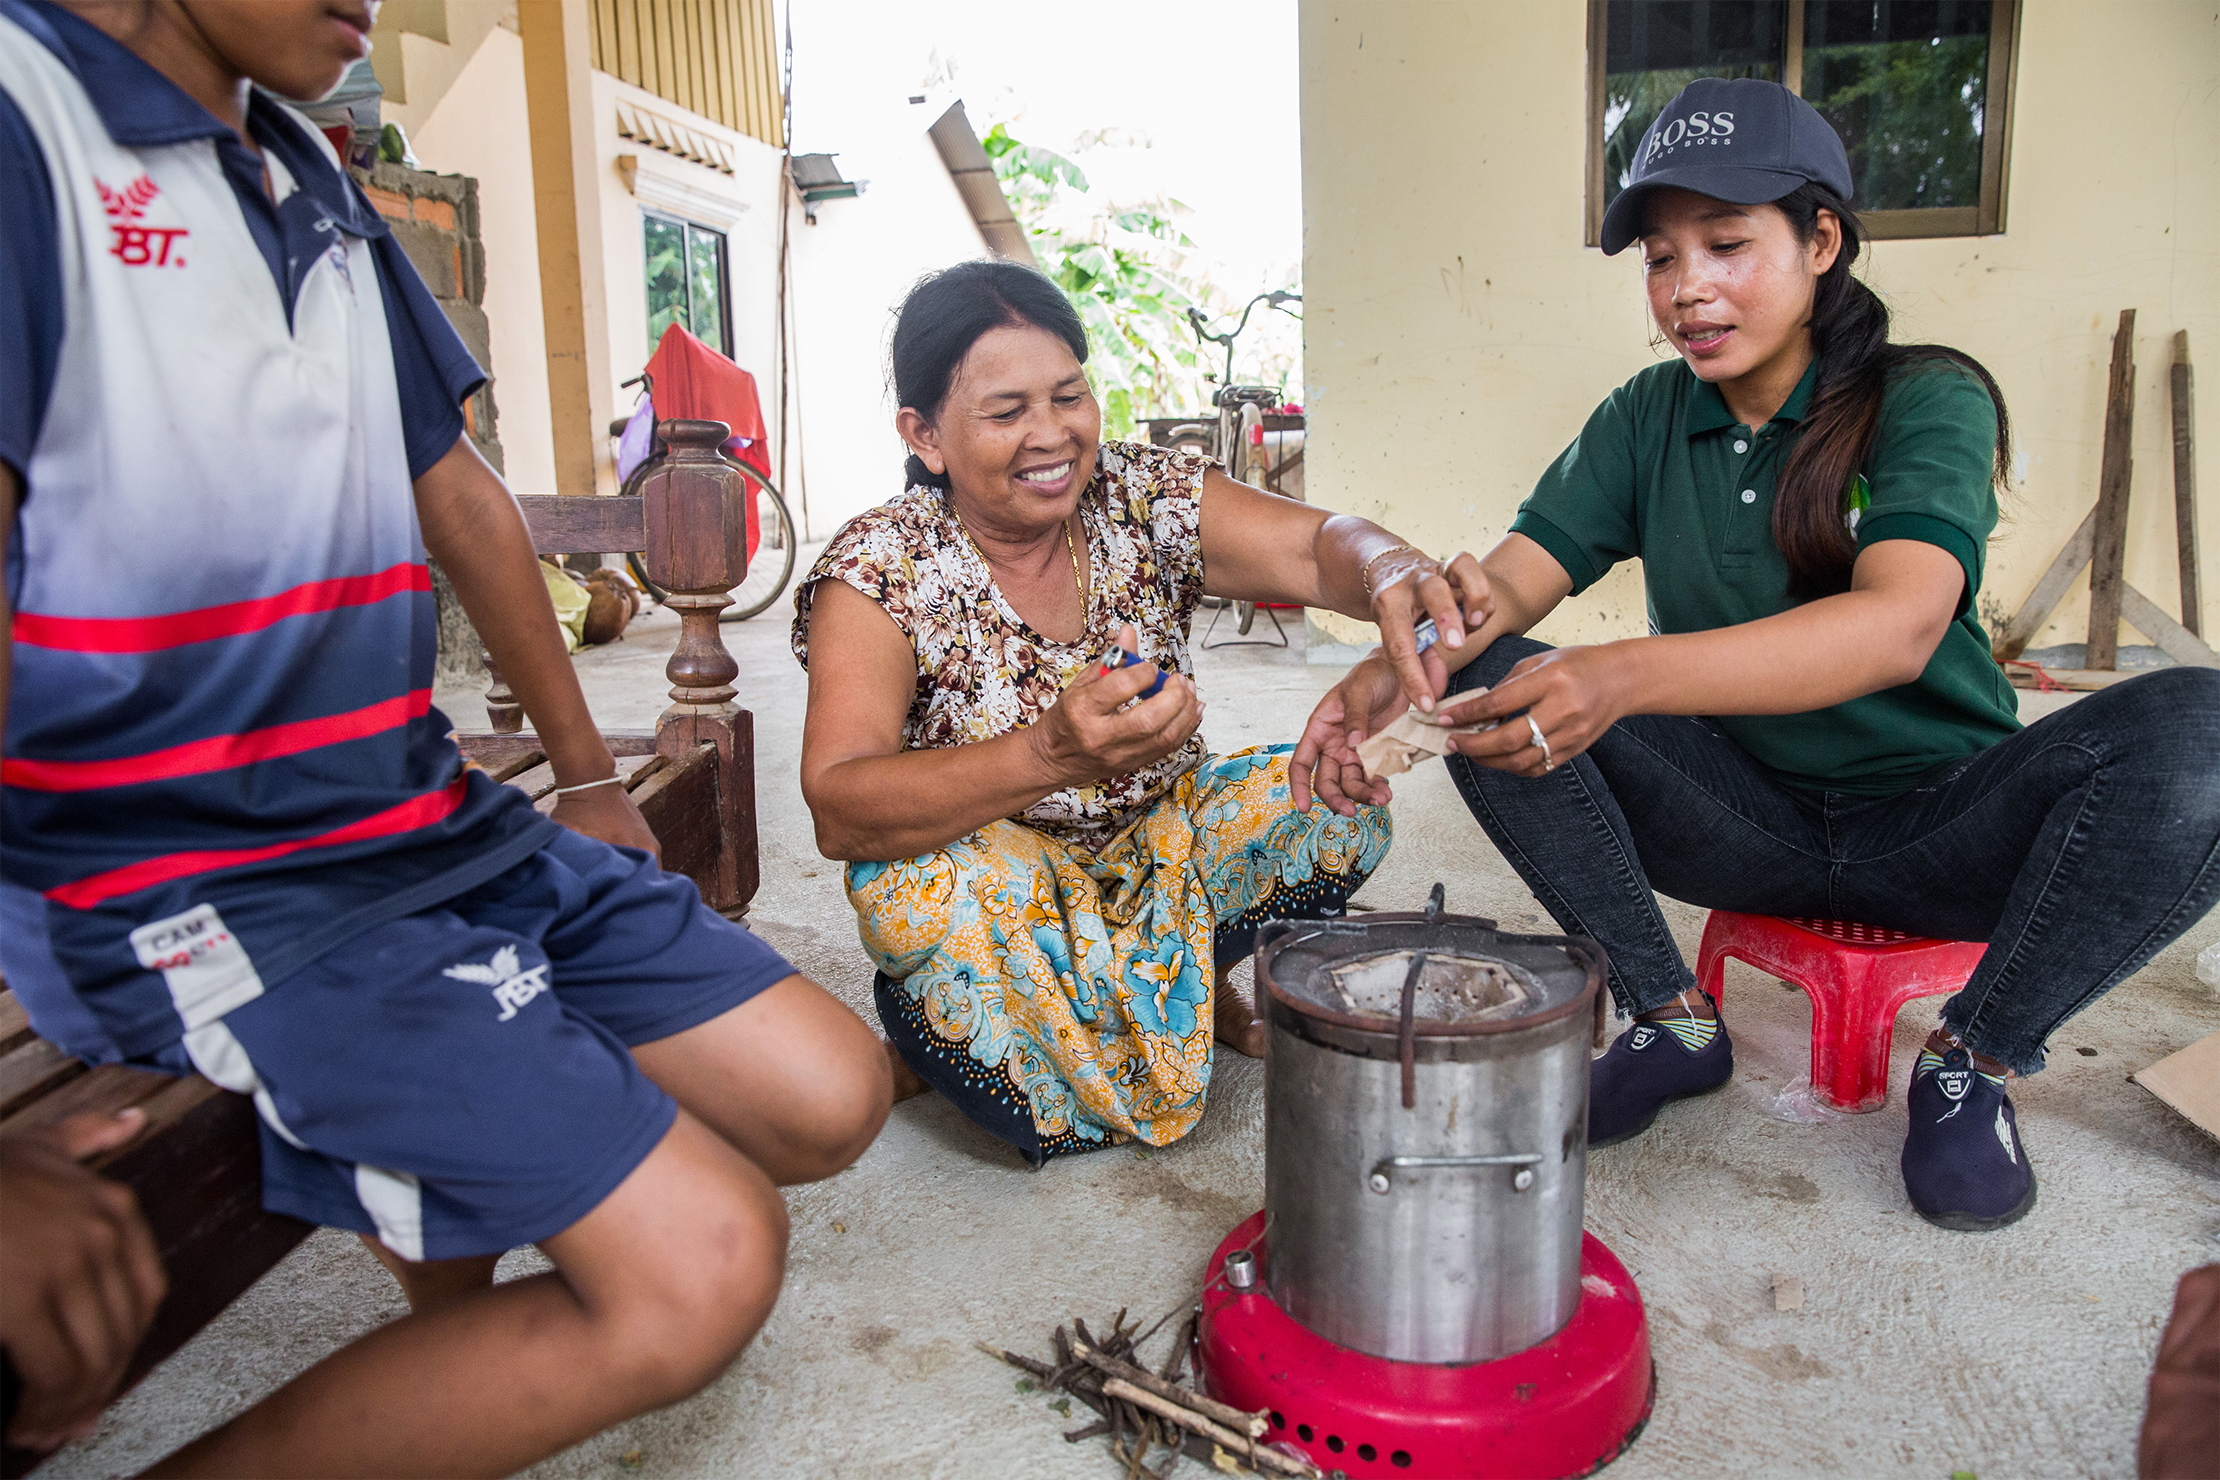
(566, 192)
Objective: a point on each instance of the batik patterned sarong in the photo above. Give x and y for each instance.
(1063, 997)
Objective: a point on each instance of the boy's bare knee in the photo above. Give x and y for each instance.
(677, 1269)
(857, 1096)
(687, 1318)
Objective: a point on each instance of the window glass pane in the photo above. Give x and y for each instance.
(666, 275)
(1904, 82)
(705, 253)
(1654, 48)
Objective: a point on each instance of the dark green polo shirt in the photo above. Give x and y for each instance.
(1663, 473)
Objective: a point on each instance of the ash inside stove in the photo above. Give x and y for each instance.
(1451, 988)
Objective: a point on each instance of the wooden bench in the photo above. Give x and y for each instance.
(197, 1167)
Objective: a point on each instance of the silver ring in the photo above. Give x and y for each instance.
(1534, 726)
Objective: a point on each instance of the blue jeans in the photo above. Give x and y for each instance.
(2077, 848)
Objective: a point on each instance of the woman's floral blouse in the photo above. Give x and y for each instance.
(981, 671)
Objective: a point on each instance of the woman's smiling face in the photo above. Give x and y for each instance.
(1730, 286)
(1017, 433)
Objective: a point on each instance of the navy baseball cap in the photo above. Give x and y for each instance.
(1735, 139)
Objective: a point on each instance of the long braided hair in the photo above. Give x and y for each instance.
(1850, 340)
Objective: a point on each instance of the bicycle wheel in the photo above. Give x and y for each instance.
(773, 565)
(768, 572)
(632, 561)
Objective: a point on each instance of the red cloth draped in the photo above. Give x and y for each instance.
(695, 383)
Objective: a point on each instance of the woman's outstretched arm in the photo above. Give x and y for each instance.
(872, 800)
(1519, 584)
(1880, 633)
(1263, 548)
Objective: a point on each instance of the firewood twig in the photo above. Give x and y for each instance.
(1142, 1411)
(1241, 1446)
(1177, 1361)
(1250, 1424)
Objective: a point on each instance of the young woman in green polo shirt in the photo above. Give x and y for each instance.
(1816, 727)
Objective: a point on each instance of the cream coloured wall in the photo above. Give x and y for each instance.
(421, 46)
(1458, 333)
(851, 271)
(751, 239)
(478, 129)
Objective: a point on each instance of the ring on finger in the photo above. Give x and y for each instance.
(1534, 727)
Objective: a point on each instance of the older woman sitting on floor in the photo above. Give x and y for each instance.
(1049, 867)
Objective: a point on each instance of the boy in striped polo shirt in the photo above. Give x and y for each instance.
(234, 836)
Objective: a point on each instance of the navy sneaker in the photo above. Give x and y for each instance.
(1964, 1166)
(1650, 1066)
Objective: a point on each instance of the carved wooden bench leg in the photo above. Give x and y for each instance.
(689, 521)
(697, 532)
(504, 716)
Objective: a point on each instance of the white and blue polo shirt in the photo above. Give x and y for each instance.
(221, 757)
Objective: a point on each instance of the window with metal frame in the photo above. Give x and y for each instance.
(1919, 90)
(688, 280)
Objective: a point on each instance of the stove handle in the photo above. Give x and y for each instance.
(1379, 1181)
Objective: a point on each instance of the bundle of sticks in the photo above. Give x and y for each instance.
(1143, 1411)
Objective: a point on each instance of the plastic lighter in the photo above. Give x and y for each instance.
(1118, 658)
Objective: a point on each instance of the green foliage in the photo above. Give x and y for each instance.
(1119, 264)
(1910, 115)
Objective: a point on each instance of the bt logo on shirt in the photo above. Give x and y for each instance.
(136, 245)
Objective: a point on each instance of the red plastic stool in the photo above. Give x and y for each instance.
(1858, 978)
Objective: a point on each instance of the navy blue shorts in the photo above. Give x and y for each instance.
(457, 1082)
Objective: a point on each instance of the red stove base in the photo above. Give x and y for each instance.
(1566, 1407)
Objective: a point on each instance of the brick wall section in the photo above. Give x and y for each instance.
(435, 219)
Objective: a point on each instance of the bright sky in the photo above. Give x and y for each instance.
(1201, 95)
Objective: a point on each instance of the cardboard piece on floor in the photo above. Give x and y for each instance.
(2189, 1081)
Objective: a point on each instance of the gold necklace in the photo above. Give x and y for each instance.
(1082, 586)
(1077, 584)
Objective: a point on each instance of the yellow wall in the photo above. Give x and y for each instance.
(1457, 333)
(716, 57)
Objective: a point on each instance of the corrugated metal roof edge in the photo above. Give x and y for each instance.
(973, 173)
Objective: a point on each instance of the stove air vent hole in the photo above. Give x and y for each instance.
(1401, 1459)
(1333, 1442)
(1302, 1432)
(1278, 1422)
(1367, 1453)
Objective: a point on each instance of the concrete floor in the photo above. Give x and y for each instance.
(1917, 1352)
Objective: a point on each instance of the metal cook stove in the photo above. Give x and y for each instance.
(1417, 1297)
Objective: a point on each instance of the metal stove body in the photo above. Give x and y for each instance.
(1418, 1297)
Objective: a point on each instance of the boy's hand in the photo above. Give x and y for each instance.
(610, 814)
(79, 1276)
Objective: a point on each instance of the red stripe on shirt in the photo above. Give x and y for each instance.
(416, 812)
(203, 624)
(218, 752)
